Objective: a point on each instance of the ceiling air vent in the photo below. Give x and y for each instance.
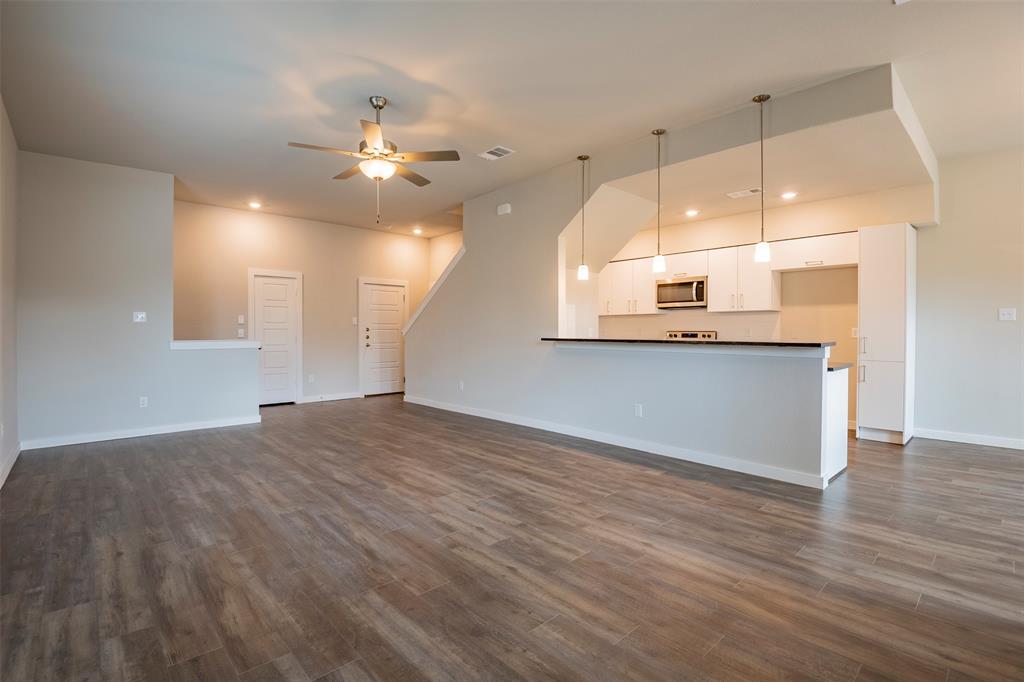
(495, 153)
(752, 192)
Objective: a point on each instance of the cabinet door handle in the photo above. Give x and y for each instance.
(863, 345)
(732, 300)
(862, 371)
(814, 262)
(741, 300)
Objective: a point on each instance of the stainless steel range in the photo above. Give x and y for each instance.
(686, 334)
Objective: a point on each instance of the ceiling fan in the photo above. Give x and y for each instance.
(380, 157)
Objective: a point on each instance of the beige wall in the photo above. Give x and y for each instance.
(822, 304)
(970, 366)
(442, 250)
(8, 335)
(214, 248)
(94, 246)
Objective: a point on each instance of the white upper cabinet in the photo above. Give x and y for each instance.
(722, 280)
(645, 294)
(627, 288)
(692, 264)
(826, 251)
(737, 284)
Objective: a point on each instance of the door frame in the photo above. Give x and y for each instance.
(383, 281)
(251, 327)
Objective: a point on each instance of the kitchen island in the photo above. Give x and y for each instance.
(770, 408)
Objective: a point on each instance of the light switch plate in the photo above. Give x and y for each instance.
(504, 209)
(138, 317)
(241, 319)
(1007, 314)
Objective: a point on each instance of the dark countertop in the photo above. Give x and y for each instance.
(835, 366)
(704, 342)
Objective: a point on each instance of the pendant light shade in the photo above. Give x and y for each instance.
(658, 262)
(583, 272)
(762, 252)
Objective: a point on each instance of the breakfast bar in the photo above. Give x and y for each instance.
(771, 408)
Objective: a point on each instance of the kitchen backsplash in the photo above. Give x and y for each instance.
(763, 326)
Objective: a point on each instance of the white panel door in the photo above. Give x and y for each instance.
(882, 292)
(381, 316)
(880, 395)
(722, 274)
(276, 323)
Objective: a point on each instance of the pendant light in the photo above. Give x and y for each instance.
(658, 262)
(583, 272)
(762, 252)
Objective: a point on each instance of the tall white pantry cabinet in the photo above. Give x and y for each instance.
(886, 293)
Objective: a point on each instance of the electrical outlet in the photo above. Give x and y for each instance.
(143, 401)
(355, 321)
(1007, 314)
(638, 409)
(312, 378)
(138, 317)
(504, 209)
(241, 333)
(241, 319)
(854, 333)
(462, 385)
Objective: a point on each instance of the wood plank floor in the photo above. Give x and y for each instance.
(374, 540)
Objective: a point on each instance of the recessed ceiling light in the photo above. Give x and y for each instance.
(417, 231)
(255, 204)
(788, 195)
(692, 213)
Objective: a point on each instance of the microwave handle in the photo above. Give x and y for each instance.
(694, 295)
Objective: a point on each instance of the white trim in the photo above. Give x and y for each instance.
(882, 435)
(214, 344)
(433, 290)
(971, 438)
(382, 281)
(56, 441)
(719, 461)
(10, 465)
(326, 397)
(250, 328)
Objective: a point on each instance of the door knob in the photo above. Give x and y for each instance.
(367, 345)
(367, 329)
(367, 336)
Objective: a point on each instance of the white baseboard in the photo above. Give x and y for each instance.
(56, 441)
(6, 468)
(971, 438)
(326, 397)
(720, 461)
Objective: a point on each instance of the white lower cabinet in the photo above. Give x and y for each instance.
(880, 395)
(737, 284)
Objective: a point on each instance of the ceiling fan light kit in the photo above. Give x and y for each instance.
(380, 157)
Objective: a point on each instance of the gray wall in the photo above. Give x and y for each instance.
(8, 336)
(970, 366)
(94, 245)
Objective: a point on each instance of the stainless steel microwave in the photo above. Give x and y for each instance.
(683, 292)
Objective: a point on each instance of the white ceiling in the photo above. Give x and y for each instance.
(852, 156)
(212, 92)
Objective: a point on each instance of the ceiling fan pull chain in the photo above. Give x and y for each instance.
(377, 184)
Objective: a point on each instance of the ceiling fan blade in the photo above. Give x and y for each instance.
(416, 157)
(373, 135)
(411, 175)
(346, 174)
(332, 150)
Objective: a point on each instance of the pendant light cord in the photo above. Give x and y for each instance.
(658, 132)
(761, 111)
(583, 210)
